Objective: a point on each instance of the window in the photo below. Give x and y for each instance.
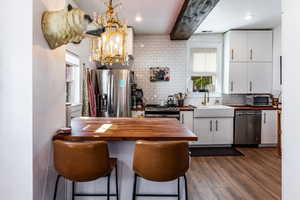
(205, 68)
(72, 78)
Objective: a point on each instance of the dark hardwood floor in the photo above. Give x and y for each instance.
(255, 176)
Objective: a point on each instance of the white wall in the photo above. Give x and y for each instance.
(291, 96)
(49, 100)
(16, 100)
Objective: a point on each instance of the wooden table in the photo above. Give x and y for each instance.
(127, 129)
(121, 137)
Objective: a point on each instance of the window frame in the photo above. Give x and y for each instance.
(219, 78)
(73, 60)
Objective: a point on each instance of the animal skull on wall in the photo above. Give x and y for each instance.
(63, 27)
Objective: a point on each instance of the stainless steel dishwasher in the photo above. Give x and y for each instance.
(247, 127)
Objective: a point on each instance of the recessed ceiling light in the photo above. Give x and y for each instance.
(138, 18)
(248, 17)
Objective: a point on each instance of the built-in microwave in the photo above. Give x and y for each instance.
(259, 100)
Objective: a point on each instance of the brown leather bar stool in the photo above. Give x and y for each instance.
(161, 162)
(82, 162)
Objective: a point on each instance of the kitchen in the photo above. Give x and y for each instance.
(240, 105)
(212, 86)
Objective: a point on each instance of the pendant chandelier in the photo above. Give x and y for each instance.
(110, 47)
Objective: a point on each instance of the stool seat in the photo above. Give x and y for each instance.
(161, 162)
(83, 162)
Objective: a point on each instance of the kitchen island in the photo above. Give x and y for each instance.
(121, 134)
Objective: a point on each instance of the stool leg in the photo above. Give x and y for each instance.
(117, 187)
(73, 190)
(134, 187)
(186, 188)
(178, 188)
(108, 187)
(56, 184)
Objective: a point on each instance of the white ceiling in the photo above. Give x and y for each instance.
(158, 16)
(230, 14)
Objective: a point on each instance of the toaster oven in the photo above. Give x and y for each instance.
(259, 100)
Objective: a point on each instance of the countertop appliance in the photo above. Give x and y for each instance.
(259, 100)
(247, 127)
(113, 92)
(157, 111)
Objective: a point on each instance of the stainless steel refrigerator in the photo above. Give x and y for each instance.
(113, 92)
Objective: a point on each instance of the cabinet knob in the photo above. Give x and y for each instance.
(232, 54)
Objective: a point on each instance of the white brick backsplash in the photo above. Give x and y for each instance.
(159, 51)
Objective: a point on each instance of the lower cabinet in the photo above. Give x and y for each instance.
(213, 131)
(187, 119)
(269, 127)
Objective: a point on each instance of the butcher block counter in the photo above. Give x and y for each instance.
(127, 129)
(240, 107)
(121, 135)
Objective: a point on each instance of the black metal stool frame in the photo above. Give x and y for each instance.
(108, 195)
(134, 195)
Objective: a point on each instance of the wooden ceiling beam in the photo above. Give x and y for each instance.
(192, 14)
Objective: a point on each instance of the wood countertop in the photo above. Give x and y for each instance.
(183, 108)
(127, 129)
(238, 107)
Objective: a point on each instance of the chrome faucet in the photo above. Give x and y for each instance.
(206, 98)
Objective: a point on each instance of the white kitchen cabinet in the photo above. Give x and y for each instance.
(203, 128)
(259, 77)
(249, 46)
(269, 127)
(238, 78)
(248, 62)
(213, 131)
(223, 132)
(259, 44)
(237, 46)
(187, 119)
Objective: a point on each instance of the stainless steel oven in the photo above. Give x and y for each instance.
(259, 100)
(162, 112)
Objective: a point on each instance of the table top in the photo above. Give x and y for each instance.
(240, 107)
(127, 129)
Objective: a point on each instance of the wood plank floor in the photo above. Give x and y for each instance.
(255, 176)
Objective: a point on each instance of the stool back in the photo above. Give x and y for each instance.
(161, 161)
(81, 161)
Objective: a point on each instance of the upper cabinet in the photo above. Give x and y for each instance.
(238, 46)
(249, 46)
(248, 66)
(259, 46)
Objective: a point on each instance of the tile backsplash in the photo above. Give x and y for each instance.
(159, 51)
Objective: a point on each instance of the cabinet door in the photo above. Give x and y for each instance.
(269, 127)
(260, 46)
(238, 78)
(259, 77)
(238, 46)
(223, 133)
(187, 119)
(203, 128)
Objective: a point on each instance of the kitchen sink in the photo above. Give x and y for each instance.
(213, 111)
